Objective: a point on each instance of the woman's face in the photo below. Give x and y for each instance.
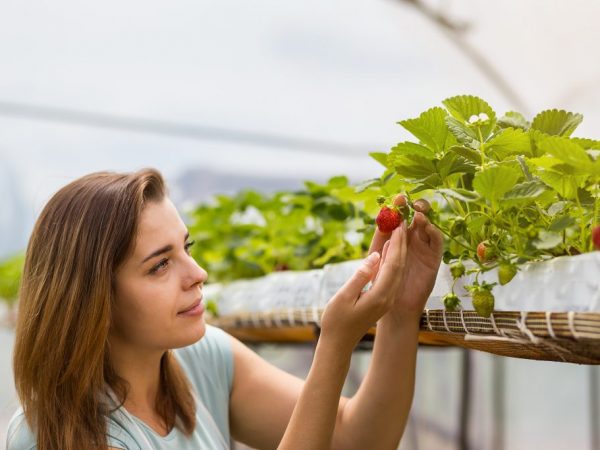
(159, 288)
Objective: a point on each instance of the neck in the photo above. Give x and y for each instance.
(140, 368)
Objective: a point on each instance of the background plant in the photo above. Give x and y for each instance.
(504, 191)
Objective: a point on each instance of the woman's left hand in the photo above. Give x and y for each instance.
(424, 254)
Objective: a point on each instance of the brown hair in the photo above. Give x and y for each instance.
(61, 363)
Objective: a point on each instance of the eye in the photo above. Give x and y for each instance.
(188, 246)
(163, 263)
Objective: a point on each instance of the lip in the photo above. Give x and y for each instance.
(195, 309)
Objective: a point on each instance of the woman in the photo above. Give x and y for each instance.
(112, 350)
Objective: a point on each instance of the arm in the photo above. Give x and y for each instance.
(381, 405)
(264, 398)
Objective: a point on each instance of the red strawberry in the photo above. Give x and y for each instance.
(388, 219)
(596, 237)
(485, 252)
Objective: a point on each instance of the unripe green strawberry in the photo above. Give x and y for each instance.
(457, 270)
(388, 219)
(458, 227)
(451, 301)
(596, 237)
(506, 272)
(483, 301)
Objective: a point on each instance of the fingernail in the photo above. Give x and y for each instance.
(372, 259)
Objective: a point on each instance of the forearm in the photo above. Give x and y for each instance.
(376, 416)
(313, 419)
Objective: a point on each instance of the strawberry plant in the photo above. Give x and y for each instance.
(505, 190)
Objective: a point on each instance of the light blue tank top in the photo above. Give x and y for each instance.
(209, 367)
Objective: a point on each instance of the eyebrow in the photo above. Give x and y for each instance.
(165, 249)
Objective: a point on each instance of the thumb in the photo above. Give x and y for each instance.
(354, 286)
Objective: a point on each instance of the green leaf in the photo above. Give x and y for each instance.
(526, 190)
(587, 144)
(547, 240)
(463, 107)
(430, 128)
(467, 153)
(338, 182)
(412, 166)
(561, 223)
(565, 185)
(380, 157)
(453, 163)
(556, 123)
(364, 185)
(513, 119)
(432, 181)
(410, 148)
(463, 195)
(509, 141)
(462, 133)
(570, 153)
(493, 182)
(557, 207)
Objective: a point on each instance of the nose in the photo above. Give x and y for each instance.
(195, 275)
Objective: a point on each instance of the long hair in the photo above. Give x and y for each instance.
(60, 360)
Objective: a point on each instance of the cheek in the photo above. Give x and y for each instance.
(145, 316)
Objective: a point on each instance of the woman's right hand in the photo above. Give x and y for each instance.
(351, 312)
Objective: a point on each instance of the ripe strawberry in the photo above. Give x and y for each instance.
(506, 272)
(388, 219)
(485, 252)
(596, 237)
(483, 301)
(451, 301)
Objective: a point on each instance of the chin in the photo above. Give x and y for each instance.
(191, 334)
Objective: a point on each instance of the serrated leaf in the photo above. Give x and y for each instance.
(587, 144)
(527, 190)
(410, 148)
(412, 166)
(547, 240)
(467, 153)
(561, 223)
(557, 207)
(556, 122)
(363, 186)
(463, 107)
(463, 195)
(493, 182)
(380, 157)
(513, 119)
(570, 153)
(462, 133)
(565, 185)
(452, 163)
(430, 128)
(509, 141)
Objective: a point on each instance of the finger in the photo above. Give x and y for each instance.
(379, 240)
(436, 238)
(353, 287)
(391, 270)
(422, 205)
(383, 256)
(420, 223)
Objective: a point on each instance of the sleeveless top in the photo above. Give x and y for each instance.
(208, 365)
